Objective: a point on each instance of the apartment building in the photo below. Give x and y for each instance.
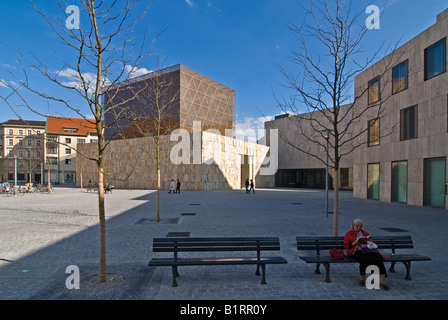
(404, 158)
(62, 137)
(22, 146)
(401, 126)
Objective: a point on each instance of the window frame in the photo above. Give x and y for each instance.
(404, 134)
(371, 83)
(371, 142)
(425, 59)
(406, 62)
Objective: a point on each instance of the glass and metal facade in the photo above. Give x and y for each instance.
(203, 99)
(169, 99)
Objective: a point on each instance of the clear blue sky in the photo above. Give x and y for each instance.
(235, 42)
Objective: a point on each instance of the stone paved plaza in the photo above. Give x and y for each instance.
(42, 234)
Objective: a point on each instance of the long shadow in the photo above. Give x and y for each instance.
(42, 273)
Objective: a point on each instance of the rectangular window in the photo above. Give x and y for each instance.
(373, 181)
(11, 131)
(400, 77)
(434, 182)
(435, 59)
(408, 123)
(68, 161)
(52, 161)
(10, 142)
(52, 150)
(68, 151)
(29, 132)
(20, 132)
(374, 90)
(71, 130)
(68, 140)
(399, 181)
(373, 132)
(29, 143)
(81, 141)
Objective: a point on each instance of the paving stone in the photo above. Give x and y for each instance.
(41, 234)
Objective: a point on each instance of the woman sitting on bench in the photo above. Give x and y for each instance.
(360, 246)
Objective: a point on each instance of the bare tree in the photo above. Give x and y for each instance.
(322, 102)
(156, 119)
(101, 56)
(149, 115)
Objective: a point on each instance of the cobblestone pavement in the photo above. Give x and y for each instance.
(42, 234)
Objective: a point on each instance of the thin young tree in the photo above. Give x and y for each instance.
(323, 105)
(101, 42)
(156, 119)
(150, 116)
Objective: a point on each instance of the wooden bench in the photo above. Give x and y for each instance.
(184, 245)
(319, 244)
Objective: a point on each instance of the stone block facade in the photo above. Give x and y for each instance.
(201, 161)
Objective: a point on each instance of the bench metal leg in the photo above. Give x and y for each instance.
(263, 271)
(317, 271)
(327, 272)
(175, 275)
(392, 267)
(408, 269)
(258, 270)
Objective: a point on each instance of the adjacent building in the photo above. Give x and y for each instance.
(302, 156)
(63, 136)
(404, 157)
(22, 146)
(400, 129)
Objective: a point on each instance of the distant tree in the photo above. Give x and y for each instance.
(330, 41)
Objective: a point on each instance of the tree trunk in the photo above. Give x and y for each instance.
(102, 221)
(158, 194)
(336, 203)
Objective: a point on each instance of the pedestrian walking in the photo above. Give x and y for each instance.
(252, 186)
(178, 186)
(171, 186)
(247, 185)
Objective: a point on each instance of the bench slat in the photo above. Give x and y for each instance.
(215, 261)
(210, 249)
(182, 239)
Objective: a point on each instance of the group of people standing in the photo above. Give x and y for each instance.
(251, 185)
(174, 187)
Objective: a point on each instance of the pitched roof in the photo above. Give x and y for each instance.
(70, 126)
(24, 123)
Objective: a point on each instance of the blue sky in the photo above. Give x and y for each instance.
(235, 42)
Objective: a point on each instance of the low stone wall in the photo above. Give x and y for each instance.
(203, 162)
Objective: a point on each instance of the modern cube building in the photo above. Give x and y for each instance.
(177, 94)
(197, 144)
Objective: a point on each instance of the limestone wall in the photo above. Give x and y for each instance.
(220, 164)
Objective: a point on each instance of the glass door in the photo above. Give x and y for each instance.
(373, 181)
(399, 181)
(434, 182)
